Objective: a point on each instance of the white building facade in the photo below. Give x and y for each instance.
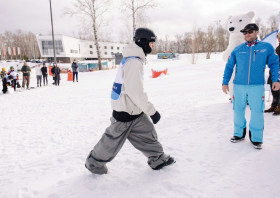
(68, 48)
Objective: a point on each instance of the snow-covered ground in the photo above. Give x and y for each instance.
(47, 133)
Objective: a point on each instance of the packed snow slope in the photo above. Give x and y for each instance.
(47, 133)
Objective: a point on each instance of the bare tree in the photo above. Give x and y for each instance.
(137, 7)
(273, 22)
(194, 45)
(166, 43)
(178, 43)
(263, 30)
(210, 40)
(93, 11)
(126, 32)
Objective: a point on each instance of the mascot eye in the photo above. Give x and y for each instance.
(240, 20)
(230, 22)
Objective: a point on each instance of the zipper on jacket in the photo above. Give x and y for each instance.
(249, 65)
(254, 54)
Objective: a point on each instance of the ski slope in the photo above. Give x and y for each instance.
(47, 133)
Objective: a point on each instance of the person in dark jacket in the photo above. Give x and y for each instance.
(57, 75)
(75, 69)
(52, 71)
(275, 105)
(44, 71)
(26, 75)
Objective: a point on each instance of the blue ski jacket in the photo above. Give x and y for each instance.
(251, 59)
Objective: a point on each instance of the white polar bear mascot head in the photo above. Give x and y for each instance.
(236, 23)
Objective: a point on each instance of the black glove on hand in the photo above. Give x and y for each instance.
(155, 117)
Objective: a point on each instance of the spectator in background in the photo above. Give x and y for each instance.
(3, 75)
(6, 82)
(3, 72)
(13, 77)
(75, 70)
(275, 105)
(26, 75)
(38, 75)
(44, 71)
(57, 75)
(52, 71)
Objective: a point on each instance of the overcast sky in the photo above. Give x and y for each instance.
(171, 17)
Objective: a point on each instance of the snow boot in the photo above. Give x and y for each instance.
(167, 163)
(93, 169)
(276, 111)
(271, 109)
(99, 171)
(236, 139)
(257, 145)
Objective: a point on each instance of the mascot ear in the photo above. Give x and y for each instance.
(251, 14)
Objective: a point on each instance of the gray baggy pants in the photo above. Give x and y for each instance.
(39, 80)
(141, 134)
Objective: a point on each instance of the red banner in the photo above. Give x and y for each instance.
(4, 51)
(14, 51)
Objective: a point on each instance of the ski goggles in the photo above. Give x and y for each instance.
(249, 31)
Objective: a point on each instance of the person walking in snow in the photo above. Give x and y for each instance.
(275, 105)
(26, 75)
(250, 59)
(75, 69)
(131, 111)
(38, 75)
(44, 71)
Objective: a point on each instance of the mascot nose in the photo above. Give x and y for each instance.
(231, 29)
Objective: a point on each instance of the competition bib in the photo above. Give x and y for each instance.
(117, 86)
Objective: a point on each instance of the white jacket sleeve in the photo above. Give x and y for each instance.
(133, 84)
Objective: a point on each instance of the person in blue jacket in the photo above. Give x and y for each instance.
(250, 59)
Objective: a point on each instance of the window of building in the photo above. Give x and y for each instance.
(47, 47)
(105, 53)
(112, 47)
(105, 47)
(74, 51)
(91, 52)
(112, 53)
(90, 46)
(118, 48)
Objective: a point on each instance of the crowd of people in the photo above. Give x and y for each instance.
(11, 77)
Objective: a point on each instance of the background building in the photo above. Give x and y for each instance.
(68, 48)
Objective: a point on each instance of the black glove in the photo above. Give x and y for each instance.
(155, 117)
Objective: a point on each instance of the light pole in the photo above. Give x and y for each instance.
(52, 34)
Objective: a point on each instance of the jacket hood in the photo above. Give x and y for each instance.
(133, 50)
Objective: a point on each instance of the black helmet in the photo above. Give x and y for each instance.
(144, 33)
(142, 38)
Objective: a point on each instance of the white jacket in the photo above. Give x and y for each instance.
(133, 99)
(38, 71)
(14, 74)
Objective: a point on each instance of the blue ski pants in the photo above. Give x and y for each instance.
(256, 97)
